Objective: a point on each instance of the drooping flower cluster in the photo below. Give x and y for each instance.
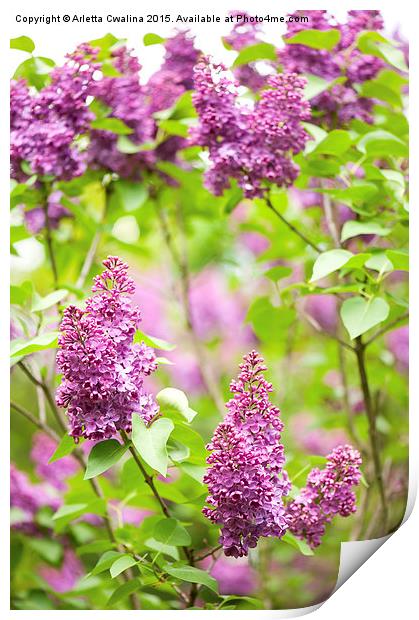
(251, 145)
(242, 35)
(103, 371)
(245, 478)
(341, 101)
(328, 493)
(45, 125)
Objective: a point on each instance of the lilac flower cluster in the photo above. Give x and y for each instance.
(126, 98)
(64, 578)
(36, 218)
(45, 125)
(245, 478)
(242, 35)
(103, 371)
(251, 145)
(328, 492)
(340, 102)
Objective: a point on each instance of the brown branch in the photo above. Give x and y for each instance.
(48, 395)
(372, 428)
(294, 229)
(207, 555)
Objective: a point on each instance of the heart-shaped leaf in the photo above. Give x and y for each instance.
(170, 532)
(150, 441)
(174, 400)
(359, 315)
(328, 262)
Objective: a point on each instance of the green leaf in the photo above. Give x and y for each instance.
(153, 341)
(174, 400)
(121, 564)
(22, 43)
(379, 262)
(48, 548)
(35, 71)
(127, 146)
(335, 143)
(42, 303)
(132, 195)
(115, 125)
(97, 546)
(174, 128)
(259, 51)
(317, 39)
(375, 44)
(399, 259)
(152, 39)
(39, 343)
(192, 575)
(328, 262)
(301, 545)
(102, 456)
(64, 448)
(169, 550)
(353, 228)
(105, 561)
(170, 532)
(197, 472)
(382, 143)
(268, 322)
(123, 591)
(314, 86)
(278, 272)
(150, 442)
(359, 315)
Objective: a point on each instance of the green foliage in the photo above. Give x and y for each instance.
(102, 456)
(150, 442)
(359, 314)
(316, 39)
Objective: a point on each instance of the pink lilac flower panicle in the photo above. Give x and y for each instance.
(245, 477)
(250, 144)
(328, 492)
(103, 370)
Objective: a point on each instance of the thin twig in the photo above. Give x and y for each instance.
(48, 395)
(386, 328)
(294, 229)
(147, 478)
(181, 263)
(318, 328)
(35, 421)
(372, 427)
(211, 552)
(48, 239)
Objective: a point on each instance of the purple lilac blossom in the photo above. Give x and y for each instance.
(126, 98)
(28, 498)
(245, 477)
(43, 447)
(249, 144)
(35, 219)
(323, 310)
(103, 371)
(328, 492)
(234, 575)
(312, 439)
(340, 102)
(45, 125)
(398, 343)
(63, 579)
